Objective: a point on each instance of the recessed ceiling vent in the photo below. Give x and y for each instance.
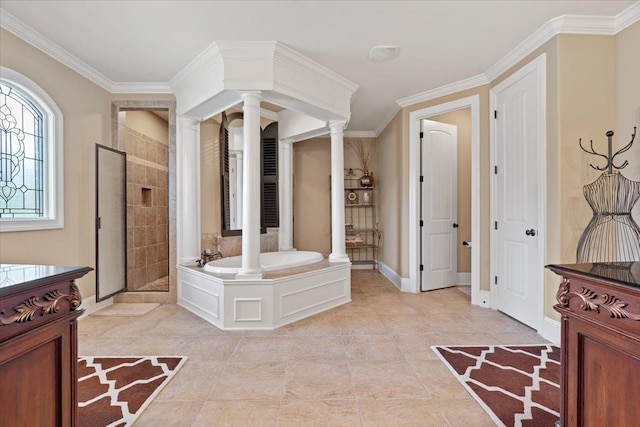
(383, 53)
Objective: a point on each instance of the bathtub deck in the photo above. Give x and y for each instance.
(279, 298)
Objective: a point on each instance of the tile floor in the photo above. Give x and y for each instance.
(367, 363)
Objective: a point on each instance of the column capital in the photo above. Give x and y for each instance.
(337, 126)
(286, 143)
(188, 122)
(251, 95)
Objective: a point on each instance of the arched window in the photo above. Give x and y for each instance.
(31, 162)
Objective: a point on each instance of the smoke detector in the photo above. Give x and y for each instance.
(383, 53)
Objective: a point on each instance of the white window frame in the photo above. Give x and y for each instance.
(53, 216)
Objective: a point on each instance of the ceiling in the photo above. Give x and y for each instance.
(440, 42)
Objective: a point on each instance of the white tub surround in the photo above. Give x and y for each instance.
(338, 245)
(188, 148)
(285, 175)
(269, 261)
(232, 304)
(313, 98)
(251, 193)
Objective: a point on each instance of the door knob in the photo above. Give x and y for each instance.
(531, 232)
(455, 225)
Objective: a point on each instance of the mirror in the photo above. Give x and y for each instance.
(231, 174)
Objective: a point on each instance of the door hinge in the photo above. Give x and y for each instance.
(495, 170)
(495, 280)
(98, 223)
(421, 223)
(495, 225)
(421, 178)
(421, 135)
(495, 114)
(421, 267)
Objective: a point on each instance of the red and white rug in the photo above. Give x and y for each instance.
(518, 385)
(113, 391)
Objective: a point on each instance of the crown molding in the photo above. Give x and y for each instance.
(627, 17)
(37, 40)
(455, 87)
(386, 119)
(141, 87)
(360, 134)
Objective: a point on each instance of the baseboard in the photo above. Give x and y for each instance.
(550, 330)
(390, 274)
(464, 278)
(91, 306)
(362, 266)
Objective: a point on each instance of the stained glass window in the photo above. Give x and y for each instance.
(22, 156)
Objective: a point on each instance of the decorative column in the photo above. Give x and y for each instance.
(338, 247)
(239, 186)
(251, 188)
(285, 173)
(189, 190)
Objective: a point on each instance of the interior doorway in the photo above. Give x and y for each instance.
(146, 132)
(472, 104)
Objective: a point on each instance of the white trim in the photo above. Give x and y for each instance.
(627, 17)
(390, 274)
(550, 330)
(448, 89)
(140, 87)
(91, 306)
(53, 157)
(539, 66)
(464, 278)
(481, 297)
(360, 134)
(389, 115)
(37, 40)
(472, 102)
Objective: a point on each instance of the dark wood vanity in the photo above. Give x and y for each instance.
(39, 307)
(600, 309)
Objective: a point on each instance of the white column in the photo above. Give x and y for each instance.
(338, 248)
(188, 190)
(285, 174)
(239, 186)
(251, 192)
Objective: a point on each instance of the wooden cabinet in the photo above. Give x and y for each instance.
(39, 307)
(600, 309)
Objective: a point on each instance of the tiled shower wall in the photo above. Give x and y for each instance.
(147, 209)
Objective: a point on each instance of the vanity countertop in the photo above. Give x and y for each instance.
(18, 277)
(619, 273)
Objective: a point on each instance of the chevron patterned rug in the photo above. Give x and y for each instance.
(518, 385)
(114, 391)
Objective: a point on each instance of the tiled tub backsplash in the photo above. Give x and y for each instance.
(232, 246)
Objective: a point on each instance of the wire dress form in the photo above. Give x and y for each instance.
(612, 235)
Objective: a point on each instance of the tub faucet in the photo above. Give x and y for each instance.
(208, 256)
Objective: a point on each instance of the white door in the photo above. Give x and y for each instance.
(518, 135)
(439, 205)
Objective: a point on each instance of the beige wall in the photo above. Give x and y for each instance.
(391, 189)
(87, 119)
(210, 211)
(148, 124)
(311, 195)
(628, 100)
(86, 108)
(462, 120)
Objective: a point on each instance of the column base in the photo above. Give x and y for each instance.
(248, 276)
(341, 258)
(292, 249)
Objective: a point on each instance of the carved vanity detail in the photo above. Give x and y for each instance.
(600, 308)
(39, 307)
